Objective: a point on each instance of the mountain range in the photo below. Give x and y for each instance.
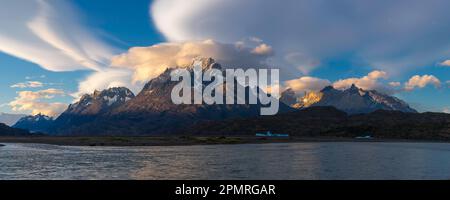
(89, 108)
(117, 111)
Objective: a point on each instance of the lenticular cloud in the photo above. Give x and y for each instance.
(389, 35)
(49, 34)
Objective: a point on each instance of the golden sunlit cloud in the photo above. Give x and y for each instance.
(307, 84)
(421, 82)
(33, 102)
(369, 82)
(149, 62)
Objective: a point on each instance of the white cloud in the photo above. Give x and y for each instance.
(256, 39)
(263, 49)
(373, 81)
(377, 75)
(369, 82)
(149, 62)
(307, 84)
(106, 79)
(35, 77)
(28, 84)
(49, 34)
(446, 63)
(421, 82)
(381, 34)
(35, 103)
(395, 84)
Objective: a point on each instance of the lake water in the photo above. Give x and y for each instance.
(337, 160)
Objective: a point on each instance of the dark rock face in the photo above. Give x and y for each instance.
(288, 97)
(354, 100)
(8, 131)
(37, 123)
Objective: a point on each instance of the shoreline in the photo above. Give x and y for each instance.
(184, 140)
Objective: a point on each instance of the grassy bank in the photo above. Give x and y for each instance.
(137, 141)
(179, 140)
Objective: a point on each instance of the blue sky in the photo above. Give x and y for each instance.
(124, 24)
(301, 45)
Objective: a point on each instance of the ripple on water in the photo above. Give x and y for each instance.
(336, 160)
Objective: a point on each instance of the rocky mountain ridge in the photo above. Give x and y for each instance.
(353, 100)
(35, 124)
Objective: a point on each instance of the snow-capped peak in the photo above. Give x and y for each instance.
(35, 118)
(204, 63)
(99, 101)
(352, 100)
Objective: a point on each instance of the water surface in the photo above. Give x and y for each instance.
(337, 160)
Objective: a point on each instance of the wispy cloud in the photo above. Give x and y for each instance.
(381, 34)
(35, 77)
(395, 84)
(50, 34)
(28, 84)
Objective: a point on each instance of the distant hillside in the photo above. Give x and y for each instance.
(36, 123)
(329, 121)
(8, 131)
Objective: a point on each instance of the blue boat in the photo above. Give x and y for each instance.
(270, 134)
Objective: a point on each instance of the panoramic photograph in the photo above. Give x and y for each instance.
(224, 90)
